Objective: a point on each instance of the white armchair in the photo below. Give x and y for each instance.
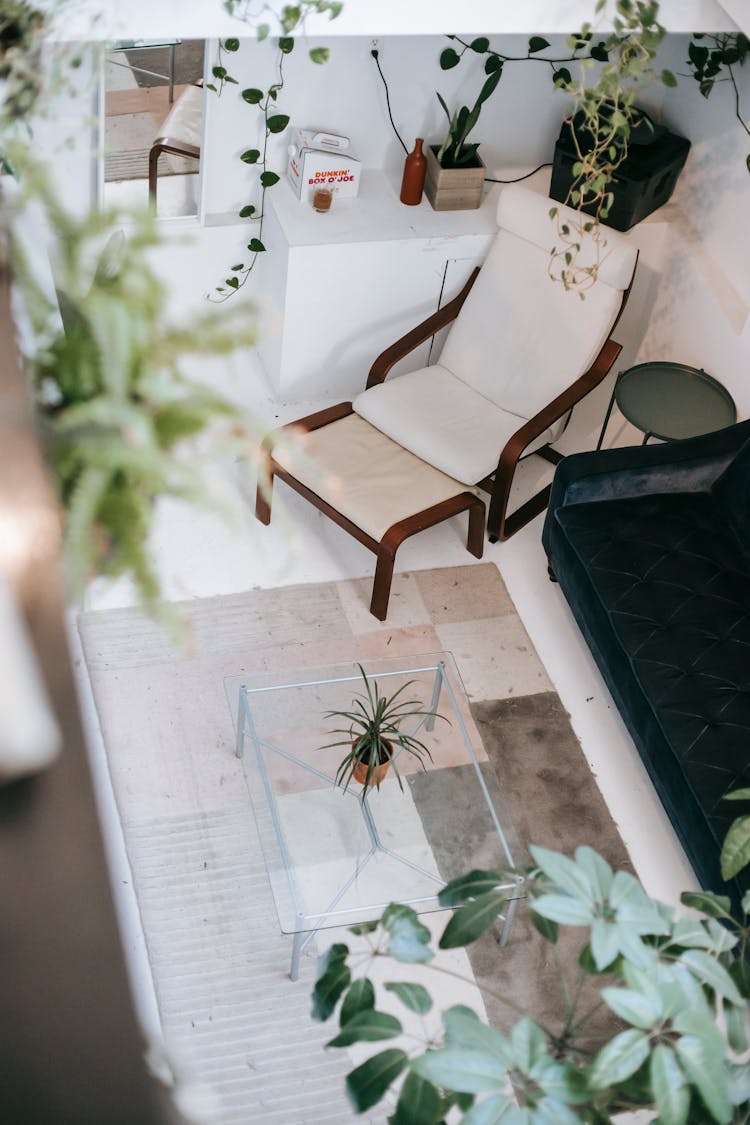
(522, 350)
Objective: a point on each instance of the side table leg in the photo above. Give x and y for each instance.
(299, 940)
(509, 916)
(608, 415)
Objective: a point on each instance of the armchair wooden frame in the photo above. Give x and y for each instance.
(172, 145)
(500, 524)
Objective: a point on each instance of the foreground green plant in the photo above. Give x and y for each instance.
(119, 419)
(678, 984)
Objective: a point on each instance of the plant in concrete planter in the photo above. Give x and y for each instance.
(374, 734)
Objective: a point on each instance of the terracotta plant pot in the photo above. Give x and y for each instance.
(360, 770)
(453, 189)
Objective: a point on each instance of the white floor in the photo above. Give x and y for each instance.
(200, 556)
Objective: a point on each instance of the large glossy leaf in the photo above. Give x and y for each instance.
(715, 906)
(668, 1083)
(408, 939)
(635, 1008)
(367, 1027)
(708, 970)
(471, 921)
(495, 1110)
(419, 1103)
(366, 1084)
(359, 998)
(605, 942)
(564, 909)
(469, 886)
(707, 1074)
(464, 1029)
(620, 1058)
(333, 978)
(470, 1071)
(735, 853)
(566, 873)
(415, 997)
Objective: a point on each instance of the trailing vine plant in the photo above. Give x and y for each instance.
(290, 19)
(714, 61)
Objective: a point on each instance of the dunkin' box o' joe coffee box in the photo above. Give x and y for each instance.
(318, 159)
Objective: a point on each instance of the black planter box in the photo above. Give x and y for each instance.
(644, 181)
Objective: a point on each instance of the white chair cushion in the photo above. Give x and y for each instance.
(443, 421)
(364, 475)
(526, 213)
(185, 118)
(520, 338)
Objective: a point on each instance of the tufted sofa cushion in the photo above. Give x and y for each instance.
(660, 585)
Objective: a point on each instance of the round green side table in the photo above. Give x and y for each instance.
(670, 401)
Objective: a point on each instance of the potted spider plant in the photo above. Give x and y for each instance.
(374, 734)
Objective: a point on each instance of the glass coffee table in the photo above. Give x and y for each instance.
(338, 856)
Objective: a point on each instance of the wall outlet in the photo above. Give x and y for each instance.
(376, 45)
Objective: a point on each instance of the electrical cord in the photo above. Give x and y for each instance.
(375, 53)
(490, 180)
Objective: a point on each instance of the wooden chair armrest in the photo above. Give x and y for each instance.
(176, 146)
(309, 423)
(418, 335)
(558, 407)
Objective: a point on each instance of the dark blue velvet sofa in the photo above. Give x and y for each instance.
(651, 547)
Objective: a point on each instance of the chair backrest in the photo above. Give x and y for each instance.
(522, 338)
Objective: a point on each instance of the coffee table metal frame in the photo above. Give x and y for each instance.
(146, 45)
(308, 925)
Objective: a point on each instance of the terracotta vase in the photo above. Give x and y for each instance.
(415, 170)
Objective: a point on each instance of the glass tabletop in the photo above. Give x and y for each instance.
(142, 44)
(335, 857)
(672, 400)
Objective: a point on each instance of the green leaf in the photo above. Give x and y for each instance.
(247, 211)
(599, 52)
(367, 1027)
(286, 45)
(605, 936)
(218, 71)
(736, 1019)
(359, 997)
(419, 1103)
(319, 55)
(737, 795)
(471, 921)
(268, 179)
(250, 156)
(634, 1007)
(566, 873)
(449, 58)
(231, 44)
(537, 43)
(468, 1071)
(465, 887)
(562, 76)
(707, 1074)
(415, 997)
(492, 64)
(496, 1110)
(366, 1084)
(232, 282)
(333, 977)
(597, 869)
(480, 45)
(277, 122)
(252, 95)
(364, 927)
(735, 854)
(715, 906)
(549, 930)
(464, 1029)
(563, 909)
(529, 1045)
(708, 970)
(262, 31)
(408, 939)
(210, 86)
(668, 1083)
(668, 78)
(620, 1058)
(256, 246)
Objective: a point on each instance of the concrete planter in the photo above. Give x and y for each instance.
(453, 189)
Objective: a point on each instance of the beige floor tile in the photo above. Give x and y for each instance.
(463, 594)
(495, 657)
(405, 608)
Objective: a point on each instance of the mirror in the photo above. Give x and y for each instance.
(153, 110)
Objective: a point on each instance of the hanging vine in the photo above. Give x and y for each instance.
(717, 63)
(290, 18)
